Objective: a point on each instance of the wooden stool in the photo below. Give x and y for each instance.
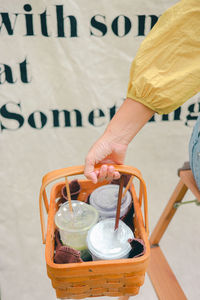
(163, 279)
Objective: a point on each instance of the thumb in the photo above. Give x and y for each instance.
(89, 171)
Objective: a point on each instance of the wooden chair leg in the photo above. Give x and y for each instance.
(168, 213)
(161, 275)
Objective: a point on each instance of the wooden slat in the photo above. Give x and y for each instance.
(188, 179)
(163, 279)
(168, 213)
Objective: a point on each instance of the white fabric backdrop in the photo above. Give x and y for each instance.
(44, 68)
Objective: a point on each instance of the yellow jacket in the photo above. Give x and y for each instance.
(166, 70)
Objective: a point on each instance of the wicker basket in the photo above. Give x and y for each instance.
(94, 278)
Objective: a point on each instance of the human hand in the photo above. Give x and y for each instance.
(112, 145)
(105, 152)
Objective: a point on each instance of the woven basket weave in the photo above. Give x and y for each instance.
(94, 278)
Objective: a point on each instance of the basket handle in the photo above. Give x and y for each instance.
(77, 170)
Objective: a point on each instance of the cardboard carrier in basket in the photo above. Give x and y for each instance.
(94, 278)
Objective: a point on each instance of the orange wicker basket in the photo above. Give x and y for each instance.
(94, 278)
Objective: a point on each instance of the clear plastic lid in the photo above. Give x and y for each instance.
(104, 199)
(106, 243)
(83, 217)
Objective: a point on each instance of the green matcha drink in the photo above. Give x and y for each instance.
(73, 227)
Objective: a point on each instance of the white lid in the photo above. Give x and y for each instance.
(83, 217)
(104, 199)
(106, 243)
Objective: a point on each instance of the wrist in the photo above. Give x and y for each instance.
(128, 120)
(118, 135)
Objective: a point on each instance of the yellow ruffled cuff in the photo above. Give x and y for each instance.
(166, 70)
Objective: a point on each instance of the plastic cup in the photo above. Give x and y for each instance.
(104, 199)
(106, 243)
(73, 227)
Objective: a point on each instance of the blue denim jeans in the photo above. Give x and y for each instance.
(194, 152)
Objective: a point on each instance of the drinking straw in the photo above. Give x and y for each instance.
(68, 194)
(128, 186)
(119, 202)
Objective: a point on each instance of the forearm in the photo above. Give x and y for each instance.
(128, 121)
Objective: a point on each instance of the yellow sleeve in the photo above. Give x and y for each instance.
(166, 70)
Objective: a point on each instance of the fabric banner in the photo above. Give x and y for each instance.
(64, 70)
